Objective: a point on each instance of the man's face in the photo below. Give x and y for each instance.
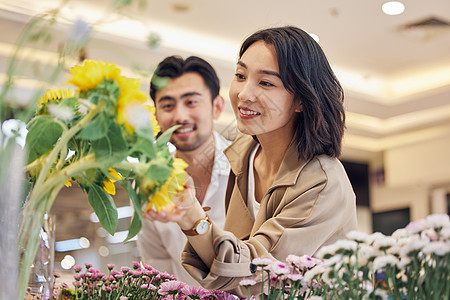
(186, 101)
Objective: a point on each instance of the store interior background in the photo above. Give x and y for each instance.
(395, 71)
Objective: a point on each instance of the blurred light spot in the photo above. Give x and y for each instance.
(84, 242)
(393, 8)
(103, 251)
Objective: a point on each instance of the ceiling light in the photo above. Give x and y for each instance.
(393, 8)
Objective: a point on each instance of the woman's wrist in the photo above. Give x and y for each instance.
(191, 216)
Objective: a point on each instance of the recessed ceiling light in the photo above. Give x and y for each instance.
(393, 8)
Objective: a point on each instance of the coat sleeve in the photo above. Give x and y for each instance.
(317, 210)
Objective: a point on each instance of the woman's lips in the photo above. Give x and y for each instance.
(246, 113)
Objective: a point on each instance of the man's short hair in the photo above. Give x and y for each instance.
(175, 66)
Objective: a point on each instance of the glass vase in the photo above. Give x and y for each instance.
(40, 284)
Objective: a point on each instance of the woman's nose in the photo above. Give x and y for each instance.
(248, 92)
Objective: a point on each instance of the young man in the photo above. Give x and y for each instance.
(186, 93)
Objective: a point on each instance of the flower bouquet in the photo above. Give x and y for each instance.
(102, 132)
(141, 281)
(413, 263)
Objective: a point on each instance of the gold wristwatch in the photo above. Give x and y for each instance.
(200, 227)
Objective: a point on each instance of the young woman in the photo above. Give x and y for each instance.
(287, 192)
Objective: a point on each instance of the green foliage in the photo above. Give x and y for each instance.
(104, 208)
(112, 148)
(43, 132)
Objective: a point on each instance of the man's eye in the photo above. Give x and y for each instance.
(167, 106)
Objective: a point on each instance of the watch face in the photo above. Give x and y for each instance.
(202, 227)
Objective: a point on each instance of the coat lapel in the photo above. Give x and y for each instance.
(239, 220)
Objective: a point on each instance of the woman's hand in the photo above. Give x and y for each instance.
(185, 209)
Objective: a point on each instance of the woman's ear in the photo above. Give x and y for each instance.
(299, 108)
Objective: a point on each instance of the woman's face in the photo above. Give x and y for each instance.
(260, 102)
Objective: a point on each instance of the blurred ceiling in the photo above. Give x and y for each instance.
(395, 69)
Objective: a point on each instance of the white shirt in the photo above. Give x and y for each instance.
(252, 204)
(161, 244)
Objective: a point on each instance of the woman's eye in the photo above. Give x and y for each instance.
(265, 83)
(239, 76)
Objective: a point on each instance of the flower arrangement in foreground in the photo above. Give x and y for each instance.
(98, 134)
(138, 282)
(413, 263)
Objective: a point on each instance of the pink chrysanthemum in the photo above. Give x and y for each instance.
(170, 287)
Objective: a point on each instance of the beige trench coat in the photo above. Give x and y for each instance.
(310, 204)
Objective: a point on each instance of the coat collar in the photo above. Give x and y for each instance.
(240, 221)
(291, 165)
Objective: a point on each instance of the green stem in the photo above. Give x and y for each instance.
(66, 136)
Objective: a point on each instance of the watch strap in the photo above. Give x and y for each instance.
(193, 231)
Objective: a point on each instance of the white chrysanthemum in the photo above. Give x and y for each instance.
(358, 236)
(439, 248)
(395, 249)
(365, 253)
(383, 243)
(404, 261)
(262, 261)
(247, 282)
(429, 234)
(302, 262)
(416, 243)
(326, 250)
(382, 261)
(335, 261)
(310, 274)
(294, 277)
(346, 245)
(445, 233)
(315, 298)
(416, 226)
(438, 220)
(400, 233)
(278, 268)
(375, 236)
(404, 240)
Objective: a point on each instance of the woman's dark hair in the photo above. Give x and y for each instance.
(306, 73)
(175, 66)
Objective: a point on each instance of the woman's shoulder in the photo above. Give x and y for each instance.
(324, 167)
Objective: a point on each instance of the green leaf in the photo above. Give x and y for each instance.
(135, 227)
(158, 172)
(43, 133)
(95, 129)
(136, 222)
(104, 207)
(147, 148)
(112, 148)
(164, 138)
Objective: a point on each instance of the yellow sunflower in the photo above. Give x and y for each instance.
(55, 94)
(68, 182)
(173, 185)
(155, 126)
(91, 73)
(108, 185)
